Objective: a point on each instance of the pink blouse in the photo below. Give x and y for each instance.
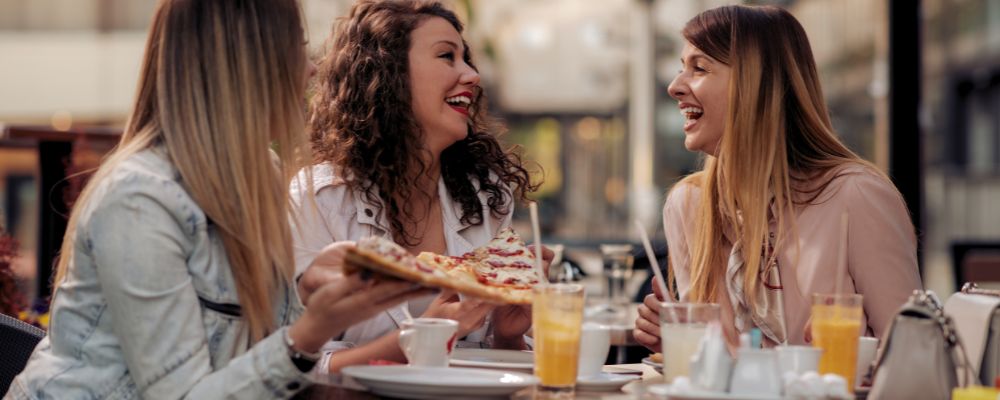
(881, 249)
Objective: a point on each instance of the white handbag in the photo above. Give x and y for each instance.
(976, 314)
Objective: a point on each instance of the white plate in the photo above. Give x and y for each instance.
(493, 359)
(664, 389)
(604, 382)
(437, 382)
(649, 361)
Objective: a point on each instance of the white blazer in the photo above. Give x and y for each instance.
(340, 213)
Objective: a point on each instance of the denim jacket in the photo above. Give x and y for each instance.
(149, 308)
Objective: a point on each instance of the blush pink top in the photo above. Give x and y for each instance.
(881, 249)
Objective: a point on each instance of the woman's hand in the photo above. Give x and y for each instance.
(326, 267)
(334, 301)
(336, 305)
(647, 325)
(470, 313)
(509, 325)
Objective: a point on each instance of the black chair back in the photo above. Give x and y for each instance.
(19, 340)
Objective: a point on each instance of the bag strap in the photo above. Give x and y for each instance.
(973, 288)
(930, 300)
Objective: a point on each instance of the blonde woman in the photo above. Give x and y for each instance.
(405, 150)
(175, 277)
(757, 230)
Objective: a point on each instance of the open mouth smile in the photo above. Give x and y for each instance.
(460, 102)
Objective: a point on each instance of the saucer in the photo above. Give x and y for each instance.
(649, 361)
(604, 382)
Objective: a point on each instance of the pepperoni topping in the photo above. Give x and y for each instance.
(496, 264)
(511, 281)
(423, 268)
(511, 239)
(520, 265)
(505, 253)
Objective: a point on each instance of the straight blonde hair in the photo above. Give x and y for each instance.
(222, 82)
(777, 145)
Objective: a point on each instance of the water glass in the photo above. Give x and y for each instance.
(618, 261)
(682, 325)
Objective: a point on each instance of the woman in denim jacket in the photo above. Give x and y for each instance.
(175, 278)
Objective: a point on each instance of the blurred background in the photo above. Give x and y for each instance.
(912, 85)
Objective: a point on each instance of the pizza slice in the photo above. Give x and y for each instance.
(507, 262)
(502, 271)
(387, 258)
(456, 267)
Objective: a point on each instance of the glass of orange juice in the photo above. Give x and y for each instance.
(836, 327)
(557, 315)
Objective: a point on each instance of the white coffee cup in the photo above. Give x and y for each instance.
(756, 373)
(595, 342)
(427, 342)
(867, 346)
(798, 359)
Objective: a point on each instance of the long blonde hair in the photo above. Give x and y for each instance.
(778, 140)
(222, 81)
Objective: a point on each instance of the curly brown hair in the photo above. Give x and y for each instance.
(362, 121)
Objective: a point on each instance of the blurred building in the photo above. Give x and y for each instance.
(582, 86)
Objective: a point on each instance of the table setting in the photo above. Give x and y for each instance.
(569, 349)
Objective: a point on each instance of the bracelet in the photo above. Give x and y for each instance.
(302, 360)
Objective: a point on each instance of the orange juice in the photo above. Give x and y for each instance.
(559, 347)
(836, 329)
(557, 316)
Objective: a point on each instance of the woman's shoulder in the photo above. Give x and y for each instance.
(854, 181)
(148, 172)
(147, 181)
(853, 178)
(685, 194)
(325, 186)
(317, 178)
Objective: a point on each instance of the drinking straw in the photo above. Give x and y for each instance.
(841, 254)
(655, 266)
(538, 243)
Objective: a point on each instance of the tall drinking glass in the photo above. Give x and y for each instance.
(836, 326)
(682, 325)
(557, 315)
(617, 271)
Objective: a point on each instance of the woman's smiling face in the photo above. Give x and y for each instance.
(702, 90)
(442, 83)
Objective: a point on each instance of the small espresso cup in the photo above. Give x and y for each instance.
(595, 342)
(427, 342)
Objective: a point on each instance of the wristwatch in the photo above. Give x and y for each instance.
(302, 360)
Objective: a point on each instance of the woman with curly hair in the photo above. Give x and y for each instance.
(405, 149)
